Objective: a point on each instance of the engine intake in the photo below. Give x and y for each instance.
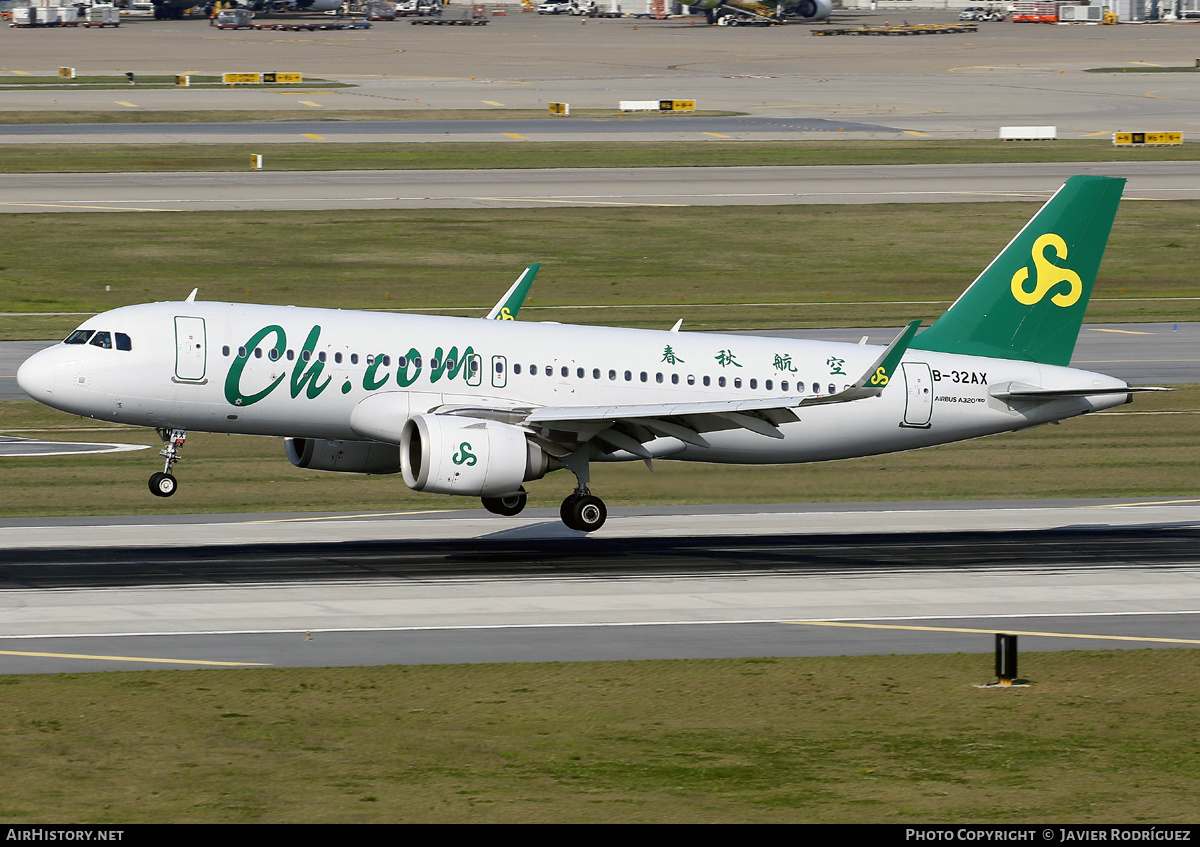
(320, 454)
(447, 454)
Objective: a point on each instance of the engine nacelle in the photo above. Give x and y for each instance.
(321, 454)
(447, 454)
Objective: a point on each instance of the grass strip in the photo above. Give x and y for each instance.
(1140, 450)
(1100, 737)
(805, 266)
(332, 155)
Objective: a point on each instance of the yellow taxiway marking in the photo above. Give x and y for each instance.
(126, 103)
(100, 208)
(914, 132)
(21, 73)
(718, 135)
(1122, 331)
(1155, 503)
(993, 632)
(309, 103)
(133, 659)
(514, 135)
(351, 517)
(316, 137)
(576, 202)
(1094, 134)
(491, 102)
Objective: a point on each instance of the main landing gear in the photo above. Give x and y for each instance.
(583, 511)
(508, 505)
(163, 484)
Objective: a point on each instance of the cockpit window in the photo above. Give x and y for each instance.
(102, 339)
(79, 336)
(123, 342)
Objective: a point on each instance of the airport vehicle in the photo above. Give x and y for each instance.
(777, 11)
(477, 408)
(554, 7)
(175, 9)
(418, 8)
(981, 13)
(234, 19)
(379, 10)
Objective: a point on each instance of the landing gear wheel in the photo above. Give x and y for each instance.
(564, 511)
(586, 513)
(162, 484)
(507, 505)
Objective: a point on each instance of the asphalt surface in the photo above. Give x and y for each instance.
(1072, 576)
(556, 187)
(947, 86)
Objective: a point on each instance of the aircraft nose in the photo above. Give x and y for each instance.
(36, 375)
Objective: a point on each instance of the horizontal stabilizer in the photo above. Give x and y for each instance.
(1021, 391)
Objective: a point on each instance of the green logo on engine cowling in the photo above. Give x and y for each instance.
(247, 383)
(464, 456)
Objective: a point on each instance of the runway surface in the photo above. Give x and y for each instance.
(663, 583)
(556, 187)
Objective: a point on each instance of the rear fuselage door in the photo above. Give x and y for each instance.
(918, 406)
(189, 349)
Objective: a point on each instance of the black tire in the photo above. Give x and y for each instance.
(507, 505)
(163, 485)
(564, 511)
(588, 513)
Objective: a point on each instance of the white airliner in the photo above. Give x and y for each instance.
(478, 407)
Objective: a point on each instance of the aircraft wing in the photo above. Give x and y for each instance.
(514, 298)
(627, 427)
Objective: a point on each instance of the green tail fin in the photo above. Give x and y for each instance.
(1029, 302)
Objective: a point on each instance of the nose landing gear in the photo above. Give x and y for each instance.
(163, 484)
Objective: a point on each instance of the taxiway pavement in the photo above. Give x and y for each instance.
(557, 187)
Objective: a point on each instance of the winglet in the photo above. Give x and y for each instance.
(191, 298)
(872, 383)
(510, 303)
(881, 373)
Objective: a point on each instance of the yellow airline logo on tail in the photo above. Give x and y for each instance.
(1047, 275)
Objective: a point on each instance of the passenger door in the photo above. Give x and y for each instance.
(190, 364)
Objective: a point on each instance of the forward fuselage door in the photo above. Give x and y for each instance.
(918, 406)
(189, 349)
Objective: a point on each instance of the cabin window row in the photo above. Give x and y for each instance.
(274, 355)
(660, 378)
